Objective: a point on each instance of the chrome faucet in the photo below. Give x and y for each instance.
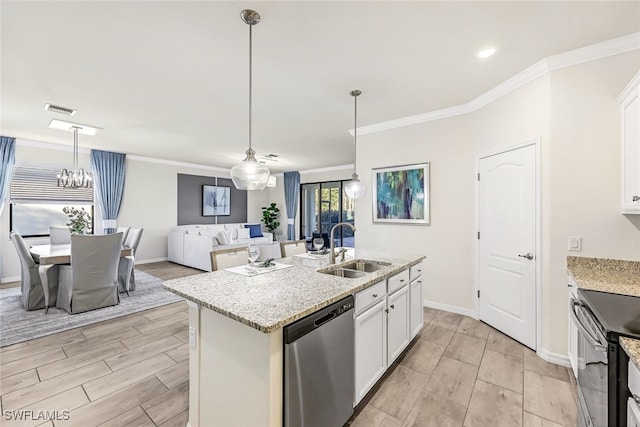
(332, 243)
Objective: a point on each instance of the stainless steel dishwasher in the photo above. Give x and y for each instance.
(319, 377)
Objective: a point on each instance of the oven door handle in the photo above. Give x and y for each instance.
(595, 342)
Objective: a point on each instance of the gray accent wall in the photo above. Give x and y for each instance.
(190, 200)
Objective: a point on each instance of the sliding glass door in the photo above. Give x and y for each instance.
(323, 205)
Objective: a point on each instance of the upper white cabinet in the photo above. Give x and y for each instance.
(630, 103)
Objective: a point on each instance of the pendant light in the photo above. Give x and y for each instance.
(354, 188)
(76, 177)
(250, 175)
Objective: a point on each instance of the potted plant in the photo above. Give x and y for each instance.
(79, 220)
(270, 217)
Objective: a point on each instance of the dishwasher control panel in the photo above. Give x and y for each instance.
(345, 307)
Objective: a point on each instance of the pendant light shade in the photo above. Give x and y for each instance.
(250, 175)
(354, 188)
(75, 177)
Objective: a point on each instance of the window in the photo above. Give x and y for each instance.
(36, 201)
(323, 205)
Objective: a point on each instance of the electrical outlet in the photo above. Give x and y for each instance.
(575, 244)
(192, 338)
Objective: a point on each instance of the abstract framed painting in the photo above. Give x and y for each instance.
(216, 201)
(401, 194)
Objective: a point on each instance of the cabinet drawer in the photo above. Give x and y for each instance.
(416, 270)
(396, 282)
(634, 379)
(370, 296)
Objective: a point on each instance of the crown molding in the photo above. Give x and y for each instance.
(541, 68)
(67, 148)
(328, 169)
(178, 164)
(631, 87)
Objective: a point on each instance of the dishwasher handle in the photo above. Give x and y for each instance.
(316, 320)
(324, 319)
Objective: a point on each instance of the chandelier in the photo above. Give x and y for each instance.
(76, 177)
(250, 175)
(354, 188)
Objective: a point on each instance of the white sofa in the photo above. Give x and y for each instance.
(190, 245)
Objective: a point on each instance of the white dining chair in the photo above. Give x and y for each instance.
(59, 235)
(293, 247)
(127, 264)
(91, 281)
(227, 258)
(125, 233)
(32, 292)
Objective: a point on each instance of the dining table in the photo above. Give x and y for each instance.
(51, 256)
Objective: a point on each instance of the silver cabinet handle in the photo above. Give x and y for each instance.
(393, 306)
(635, 198)
(375, 295)
(401, 280)
(528, 256)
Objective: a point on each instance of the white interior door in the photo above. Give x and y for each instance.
(507, 217)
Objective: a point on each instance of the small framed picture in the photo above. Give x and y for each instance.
(401, 194)
(216, 200)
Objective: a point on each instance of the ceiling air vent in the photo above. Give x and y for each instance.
(269, 157)
(61, 110)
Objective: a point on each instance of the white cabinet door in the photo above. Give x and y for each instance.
(572, 346)
(398, 327)
(371, 348)
(633, 413)
(631, 148)
(416, 312)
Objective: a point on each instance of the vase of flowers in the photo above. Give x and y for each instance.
(79, 220)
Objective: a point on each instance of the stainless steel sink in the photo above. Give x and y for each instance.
(354, 269)
(345, 272)
(364, 265)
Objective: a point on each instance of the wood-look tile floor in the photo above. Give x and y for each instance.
(133, 371)
(462, 372)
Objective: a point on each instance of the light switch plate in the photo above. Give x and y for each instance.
(575, 244)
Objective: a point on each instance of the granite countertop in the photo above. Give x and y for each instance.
(632, 348)
(272, 300)
(605, 275)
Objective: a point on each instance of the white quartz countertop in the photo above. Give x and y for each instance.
(272, 300)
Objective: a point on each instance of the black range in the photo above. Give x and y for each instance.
(601, 319)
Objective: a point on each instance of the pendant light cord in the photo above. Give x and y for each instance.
(250, 78)
(355, 132)
(75, 149)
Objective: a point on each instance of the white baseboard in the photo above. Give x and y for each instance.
(10, 279)
(558, 359)
(149, 261)
(450, 308)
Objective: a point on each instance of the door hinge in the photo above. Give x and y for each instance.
(478, 235)
(478, 293)
(478, 176)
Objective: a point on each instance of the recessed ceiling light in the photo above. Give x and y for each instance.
(485, 53)
(68, 126)
(59, 109)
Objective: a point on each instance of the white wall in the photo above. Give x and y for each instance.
(575, 114)
(447, 242)
(585, 177)
(149, 201)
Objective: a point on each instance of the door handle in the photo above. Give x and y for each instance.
(635, 198)
(528, 256)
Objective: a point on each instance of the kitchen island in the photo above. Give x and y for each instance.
(236, 332)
